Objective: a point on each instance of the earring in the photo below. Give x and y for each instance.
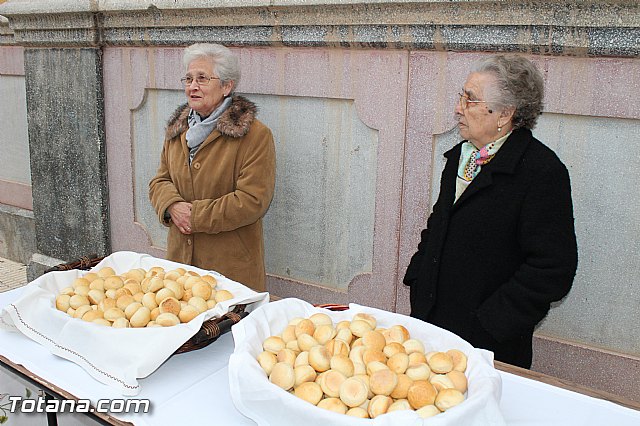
(499, 129)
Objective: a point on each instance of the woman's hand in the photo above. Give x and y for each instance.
(181, 216)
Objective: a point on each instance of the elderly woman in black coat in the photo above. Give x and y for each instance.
(500, 244)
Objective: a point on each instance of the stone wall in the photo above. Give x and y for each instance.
(360, 98)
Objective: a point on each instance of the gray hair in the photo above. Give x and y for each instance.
(225, 63)
(518, 83)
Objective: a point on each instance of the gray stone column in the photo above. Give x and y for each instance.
(65, 107)
(67, 149)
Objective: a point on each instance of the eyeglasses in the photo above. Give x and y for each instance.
(201, 80)
(465, 101)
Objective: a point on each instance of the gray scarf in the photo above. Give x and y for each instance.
(199, 129)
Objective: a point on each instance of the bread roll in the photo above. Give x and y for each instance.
(379, 405)
(459, 359)
(133, 286)
(286, 355)
(448, 398)
(105, 271)
(345, 335)
(441, 381)
(399, 405)
(398, 363)
(121, 323)
(417, 358)
(171, 305)
(155, 271)
(310, 392)
(402, 388)
(289, 333)
(323, 333)
(374, 340)
(166, 320)
(393, 348)
(79, 313)
(191, 281)
(355, 354)
(359, 327)
(113, 282)
(152, 285)
(418, 372)
(321, 318)
(413, 345)
(353, 392)
(222, 295)
(90, 276)
(131, 309)
(421, 393)
(188, 313)
(398, 334)
(267, 360)
(62, 302)
(293, 345)
(80, 282)
(112, 314)
(111, 293)
(337, 347)
(135, 274)
(68, 291)
(342, 364)
(211, 280)
(458, 379)
(142, 316)
(282, 375)
(107, 303)
(172, 275)
(333, 404)
(302, 359)
(175, 288)
(370, 355)
(199, 303)
(306, 342)
(428, 411)
(82, 290)
(149, 300)
(154, 314)
(273, 344)
(383, 382)
(358, 412)
(76, 301)
(440, 363)
(364, 378)
(370, 319)
(101, 321)
(304, 373)
(331, 382)
(305, 327)
(122, 292)
(201, 289)
(91, 315)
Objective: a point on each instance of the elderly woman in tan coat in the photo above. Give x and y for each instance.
(217, 172)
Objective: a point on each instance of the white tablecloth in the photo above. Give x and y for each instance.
(193, 388)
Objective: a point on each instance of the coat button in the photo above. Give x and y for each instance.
(435, 260)
(196, 166)
(188, 241)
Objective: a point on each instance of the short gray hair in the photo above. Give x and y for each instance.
(225, 63)
(518, 83)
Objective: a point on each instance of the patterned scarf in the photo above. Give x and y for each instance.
(199, 129)
(472, 159)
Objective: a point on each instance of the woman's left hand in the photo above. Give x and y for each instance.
(181, 216)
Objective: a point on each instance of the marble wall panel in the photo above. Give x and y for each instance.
(591, 122)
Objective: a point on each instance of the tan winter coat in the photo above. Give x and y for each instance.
(230, 184)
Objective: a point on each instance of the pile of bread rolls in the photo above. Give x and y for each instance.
(357, 369)
(140, 298)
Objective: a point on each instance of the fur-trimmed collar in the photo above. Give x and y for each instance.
(234, 122)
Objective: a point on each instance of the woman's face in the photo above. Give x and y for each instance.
(204, 99)
(475, 122)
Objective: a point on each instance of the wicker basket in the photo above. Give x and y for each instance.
(208, 333)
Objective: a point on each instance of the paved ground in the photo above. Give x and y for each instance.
(12, 274)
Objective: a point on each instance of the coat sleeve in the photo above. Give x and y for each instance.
(253, 193)
(416, 260)
(547, 237)
(162, 191)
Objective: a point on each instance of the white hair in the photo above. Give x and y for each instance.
(225, 63)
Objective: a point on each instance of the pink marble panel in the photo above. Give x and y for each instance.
(16, 194)
(11, 60)
(375, 80)
(604, 87)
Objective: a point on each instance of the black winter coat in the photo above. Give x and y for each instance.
(488, 267)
